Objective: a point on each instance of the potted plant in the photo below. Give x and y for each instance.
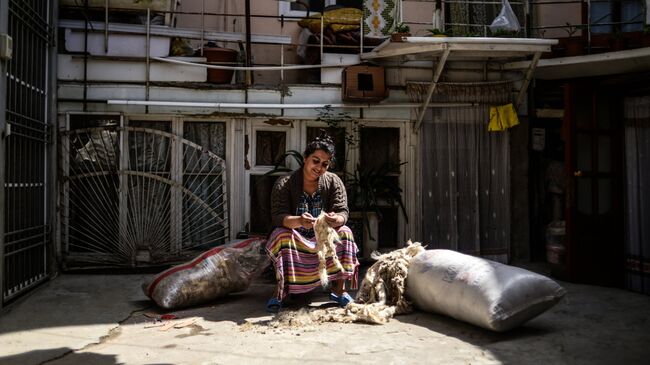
(371, 188)
(401, 30)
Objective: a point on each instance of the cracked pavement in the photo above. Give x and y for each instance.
(99, 319)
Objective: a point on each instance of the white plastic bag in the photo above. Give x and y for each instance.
(506, 21)
(479, 291)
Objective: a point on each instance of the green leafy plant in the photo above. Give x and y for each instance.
(372, 188)
(436, 32)
(401, 28)
(280, 167)
(503, 33)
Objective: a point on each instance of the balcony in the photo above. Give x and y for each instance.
(165, 44)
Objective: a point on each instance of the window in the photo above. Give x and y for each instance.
(472, 18)
(617, 16)
(299, 8)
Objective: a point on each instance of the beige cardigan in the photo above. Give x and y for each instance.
(287, 190)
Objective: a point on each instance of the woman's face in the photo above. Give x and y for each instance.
(316, 164)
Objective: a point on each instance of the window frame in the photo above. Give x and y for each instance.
(284, 8)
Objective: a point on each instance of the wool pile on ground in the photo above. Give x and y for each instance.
(380, 296)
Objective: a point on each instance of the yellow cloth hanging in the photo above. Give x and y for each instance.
(502, 117)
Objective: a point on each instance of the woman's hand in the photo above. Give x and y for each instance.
(307, 220)
(334, 220)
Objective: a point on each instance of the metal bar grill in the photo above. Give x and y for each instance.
(138, 195)
(26, 230)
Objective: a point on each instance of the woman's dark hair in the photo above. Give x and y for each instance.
(323, 142)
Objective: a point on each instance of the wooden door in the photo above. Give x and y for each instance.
(595, 239)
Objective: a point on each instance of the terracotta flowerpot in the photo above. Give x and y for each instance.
(397, 37)
(574, 47)
(221, 55)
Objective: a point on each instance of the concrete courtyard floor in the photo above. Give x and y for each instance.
(100, 319)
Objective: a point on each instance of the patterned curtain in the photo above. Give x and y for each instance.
(465, 180)
(637, 161)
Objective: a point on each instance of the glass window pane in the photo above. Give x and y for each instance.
(604, 113)
(148, 151)
(601, 13)
(269, 147)
(204, 210)
(211, 135)
(604, 154)
(583, 152)
(583, 109)
(338, 135)
(583, 196)
(632, 11)
(605, 195)
(260, 192)
(93, 120)
(379, 148)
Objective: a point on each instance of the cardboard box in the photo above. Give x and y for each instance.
(364, 83)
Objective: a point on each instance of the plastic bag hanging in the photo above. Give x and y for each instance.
(506, 21)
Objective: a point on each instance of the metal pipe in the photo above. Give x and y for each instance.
(248, 40)
(255, 68)
(202, 25)
(281, 106)
(106, 26)
(147, 48)
(482, 40)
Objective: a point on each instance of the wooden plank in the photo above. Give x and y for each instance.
(403, 49)
(529, 76)
(434, 82)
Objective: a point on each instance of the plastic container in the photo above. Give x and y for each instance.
(555, 232)
(555, 249)
(555, 254)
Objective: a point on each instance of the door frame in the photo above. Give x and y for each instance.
(575, 255)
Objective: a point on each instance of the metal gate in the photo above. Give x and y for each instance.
(25, 127)
(137, 196)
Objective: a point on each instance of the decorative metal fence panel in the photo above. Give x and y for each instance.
(136, 196)
(26, 232)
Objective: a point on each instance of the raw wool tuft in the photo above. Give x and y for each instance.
(326, 239)
(385, 282)
(380, 296)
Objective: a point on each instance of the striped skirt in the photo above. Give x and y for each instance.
(296, 261)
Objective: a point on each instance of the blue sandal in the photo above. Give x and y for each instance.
(273, 305)
(342, 300)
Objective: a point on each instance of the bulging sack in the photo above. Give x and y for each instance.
(479, 291)
(213, 274)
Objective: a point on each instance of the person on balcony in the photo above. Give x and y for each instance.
(296, 201)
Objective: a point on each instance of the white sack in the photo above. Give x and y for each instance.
(479, 291)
